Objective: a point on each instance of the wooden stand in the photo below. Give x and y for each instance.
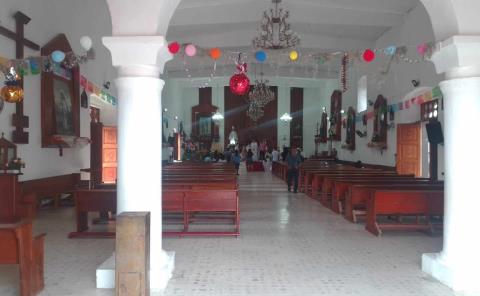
(19, 247)
(132, 257)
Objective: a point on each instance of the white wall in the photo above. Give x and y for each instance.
(396, 85)
(49, 18)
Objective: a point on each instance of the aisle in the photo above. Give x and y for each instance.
(291, 245)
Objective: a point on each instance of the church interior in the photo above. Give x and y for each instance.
(239, 147)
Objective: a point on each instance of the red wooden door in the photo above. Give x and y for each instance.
(109, 155)
(409, 147)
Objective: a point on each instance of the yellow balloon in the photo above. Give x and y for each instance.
(293, 55)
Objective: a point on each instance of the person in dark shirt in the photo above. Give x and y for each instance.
(293, 162)
(236, 160)
(249, 156)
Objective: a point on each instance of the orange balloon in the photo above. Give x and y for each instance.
(12, 93)
(215, 53)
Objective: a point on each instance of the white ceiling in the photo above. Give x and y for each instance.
(321, 24)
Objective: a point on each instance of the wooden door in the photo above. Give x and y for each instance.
(109, 154)
(409, 149)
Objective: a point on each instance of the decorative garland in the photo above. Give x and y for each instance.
(430, 95)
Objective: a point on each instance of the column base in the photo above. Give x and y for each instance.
(105, 278)
(159, 278)
(459, 281)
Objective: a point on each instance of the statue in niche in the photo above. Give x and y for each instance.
(233, 137)
(335, 133)
(379, 137)
(350, 126)
(324, 128)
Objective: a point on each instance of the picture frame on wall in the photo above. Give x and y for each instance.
(60, 108)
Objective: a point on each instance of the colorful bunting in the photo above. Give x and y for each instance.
(433, 94)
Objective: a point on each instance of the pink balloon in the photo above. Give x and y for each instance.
(422, 49)
(190, 50)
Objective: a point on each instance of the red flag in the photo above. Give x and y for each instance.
(83, 81)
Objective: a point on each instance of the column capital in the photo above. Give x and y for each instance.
(142, 56)
(458, 57)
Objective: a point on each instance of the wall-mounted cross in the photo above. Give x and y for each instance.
(19, 120)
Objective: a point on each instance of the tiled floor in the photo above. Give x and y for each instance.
(289, 245)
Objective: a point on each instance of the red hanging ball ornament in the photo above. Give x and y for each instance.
(239, 82)
(174, 47)
(368, 55)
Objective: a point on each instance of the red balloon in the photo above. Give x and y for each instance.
(174, 47)
(368, 55)
(239, 84)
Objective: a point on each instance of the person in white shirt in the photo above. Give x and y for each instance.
(254, 147)
(275, 155)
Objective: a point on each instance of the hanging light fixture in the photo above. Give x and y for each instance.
(286, 117)
(217, 116)
(255, 112)
(274, 31)
(261, 93)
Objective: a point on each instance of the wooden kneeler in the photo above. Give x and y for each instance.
(132, 254)
(19, 247)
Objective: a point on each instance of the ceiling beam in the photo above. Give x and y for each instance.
(240, 12)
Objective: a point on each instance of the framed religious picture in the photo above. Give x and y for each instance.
(60, 108)
(379, 137)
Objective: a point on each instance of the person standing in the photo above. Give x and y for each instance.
(275, 155)
(236, 160)
(293, 162)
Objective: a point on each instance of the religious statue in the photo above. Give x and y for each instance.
(233, 137)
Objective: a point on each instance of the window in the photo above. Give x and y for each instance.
(429, 111)
(362, 94)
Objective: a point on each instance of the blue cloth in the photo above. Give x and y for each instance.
(237, 159)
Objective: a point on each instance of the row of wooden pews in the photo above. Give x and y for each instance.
(384, 199)
(195, 196)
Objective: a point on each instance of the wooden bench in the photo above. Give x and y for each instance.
(51, 187)
(340, 185)
(356, 196)
(184, 198)
(321, 189)
(93, 200)
(418, 202)
(18, 246)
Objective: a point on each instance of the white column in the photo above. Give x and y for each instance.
(139, 61)
(458, 264)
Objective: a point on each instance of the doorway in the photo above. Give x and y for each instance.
(409, 149)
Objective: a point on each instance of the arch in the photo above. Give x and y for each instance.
(453, 17)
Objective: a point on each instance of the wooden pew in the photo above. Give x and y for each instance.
(185, 198)
(51, 187)
(356, 196)
(14, 205)
(340, 185)
(93, 200)
(418, 202)
(321, 189)
(18, 246)
(191, 202)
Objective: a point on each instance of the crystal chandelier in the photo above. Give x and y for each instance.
(274, 31)
(255, 112)
(261, 93)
